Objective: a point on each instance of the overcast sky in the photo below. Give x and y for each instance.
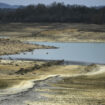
(80, 2)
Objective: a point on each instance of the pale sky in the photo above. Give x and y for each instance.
(80, 2)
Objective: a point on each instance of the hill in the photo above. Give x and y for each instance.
(4, 5)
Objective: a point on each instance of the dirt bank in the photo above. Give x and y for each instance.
(8, 46)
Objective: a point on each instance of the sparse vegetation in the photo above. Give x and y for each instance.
(50, 82)
(72, 84)
(8, 46)
(5, 83)
(56, 32)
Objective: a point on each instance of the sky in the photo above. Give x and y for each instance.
(79, 2)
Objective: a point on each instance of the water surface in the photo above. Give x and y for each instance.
(79, 52)
(4, 37)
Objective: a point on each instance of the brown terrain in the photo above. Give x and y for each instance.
(49, 82)
(61, 32)
(8, 46)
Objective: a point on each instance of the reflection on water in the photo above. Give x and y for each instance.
(80, 52)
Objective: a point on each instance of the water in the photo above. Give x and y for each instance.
(4, 37)
(79, 52)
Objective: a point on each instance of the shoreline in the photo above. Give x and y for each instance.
(58, 41)
(50, 82)
(10, 46)
(63, 61)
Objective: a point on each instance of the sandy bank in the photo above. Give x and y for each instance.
(8, 46)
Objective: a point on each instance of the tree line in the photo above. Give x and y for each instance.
(56, 12)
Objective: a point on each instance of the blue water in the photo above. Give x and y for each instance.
(79, 52)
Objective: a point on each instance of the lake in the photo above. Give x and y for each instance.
(75, 52)
(4, 37)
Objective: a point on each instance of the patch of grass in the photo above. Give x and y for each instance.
(8, 46)
(54, 32)
(5, 83)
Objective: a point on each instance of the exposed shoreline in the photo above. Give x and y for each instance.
(50, 82)
(46, 84)
(63, 62)
(59, 41)
(8, 47)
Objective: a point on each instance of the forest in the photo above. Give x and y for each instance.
(55, 12)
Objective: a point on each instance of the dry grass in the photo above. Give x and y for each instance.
(8, 69)
(54, 32)
(4, 83)
(23, 70)
(8, 46)
(73, 90)
(78, 85)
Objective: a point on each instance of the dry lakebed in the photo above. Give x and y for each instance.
(61, 71)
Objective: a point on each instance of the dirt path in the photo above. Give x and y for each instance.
(74, 89)
(29, 94)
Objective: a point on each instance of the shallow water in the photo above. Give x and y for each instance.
(4, 37)
(79, 52)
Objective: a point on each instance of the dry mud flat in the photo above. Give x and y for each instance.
(50, 83)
